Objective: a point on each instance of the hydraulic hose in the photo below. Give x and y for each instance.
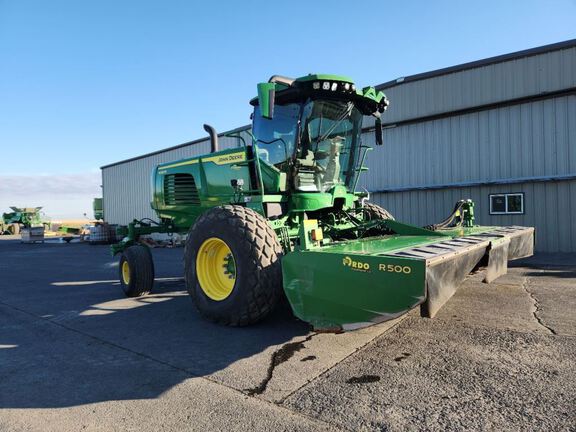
(448, 222)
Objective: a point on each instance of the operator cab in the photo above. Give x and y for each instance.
(311, 128)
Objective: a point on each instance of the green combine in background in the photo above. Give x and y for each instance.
(26, 217)
(281, 216)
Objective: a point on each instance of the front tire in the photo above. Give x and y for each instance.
(136, 271)
(232, 266)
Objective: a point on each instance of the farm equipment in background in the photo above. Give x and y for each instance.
(98, 209)
(13, 222)
(281, 215)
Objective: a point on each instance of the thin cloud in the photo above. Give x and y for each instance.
(60, 195)
(65, 185)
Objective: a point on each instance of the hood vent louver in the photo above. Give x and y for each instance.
(180, 189)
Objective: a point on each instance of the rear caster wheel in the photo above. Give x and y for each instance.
(136, 271)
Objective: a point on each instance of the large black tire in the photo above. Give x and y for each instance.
(139, 279)
(377, 212)
(256, 253)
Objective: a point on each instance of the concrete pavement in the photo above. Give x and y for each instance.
(76, 355)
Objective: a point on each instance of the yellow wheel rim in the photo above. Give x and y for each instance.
(216, 269)
(126, 273)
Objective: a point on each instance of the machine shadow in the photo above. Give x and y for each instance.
(564, 274)
(92, 344)
(558, 265)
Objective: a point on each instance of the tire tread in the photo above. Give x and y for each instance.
(264, 279)
(142, 271)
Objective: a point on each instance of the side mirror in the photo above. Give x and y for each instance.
(266, 96)
(378, 131)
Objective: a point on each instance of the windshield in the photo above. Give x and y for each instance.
(330, 145)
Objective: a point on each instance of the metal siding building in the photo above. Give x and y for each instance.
(501, 125)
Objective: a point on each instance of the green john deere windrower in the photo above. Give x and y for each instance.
(281, 216)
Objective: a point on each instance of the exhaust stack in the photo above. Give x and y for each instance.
(213, 138)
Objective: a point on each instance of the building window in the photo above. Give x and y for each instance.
(509, 203)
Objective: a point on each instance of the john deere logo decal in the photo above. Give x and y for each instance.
(226, 159)
(230, 158)
(355, 265)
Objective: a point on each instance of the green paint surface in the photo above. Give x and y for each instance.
(340, 289)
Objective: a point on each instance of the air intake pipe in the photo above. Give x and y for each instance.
(213, 138)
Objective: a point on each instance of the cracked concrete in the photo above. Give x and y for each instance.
(490, 360)
(458, 377)
(498, 356)
(503, 304)
(554, 288)
(536, 312)
(263, 376)
(281, 355)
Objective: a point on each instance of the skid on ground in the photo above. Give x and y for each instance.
(280, 216)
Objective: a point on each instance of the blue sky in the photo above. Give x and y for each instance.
(86, 83)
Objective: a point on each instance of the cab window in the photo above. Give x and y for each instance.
(276, 138)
